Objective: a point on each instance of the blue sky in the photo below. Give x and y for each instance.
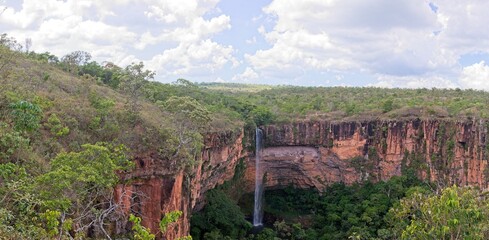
(404, 43)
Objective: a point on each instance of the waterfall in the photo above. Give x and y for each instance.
(258, 211)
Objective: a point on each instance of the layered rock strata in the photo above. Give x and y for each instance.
(155, 187)
(316, 154)
(312, 154)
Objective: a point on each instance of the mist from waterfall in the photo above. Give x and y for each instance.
(258, 209)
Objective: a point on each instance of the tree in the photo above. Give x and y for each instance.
(80, 185)
(387, 106)
(73, 60)
(93, 69)
(169, 219)
(142, 233)
(132, 81)
(112, 74)
(8, 46)
(262, 115)
(185, 83)
(19, 216)
(286, 231)
(221, 214)
(45, 57)
(454, 213)
(12, 144)
(28, 44)
(26, 116)
(190, 118)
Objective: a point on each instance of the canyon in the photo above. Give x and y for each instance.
(309, 154)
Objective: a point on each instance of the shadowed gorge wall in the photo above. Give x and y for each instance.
(314, 154)
(160, 188)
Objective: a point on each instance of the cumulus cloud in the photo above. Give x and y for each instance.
(182, 22)
(402, 39)
(475, 76)
(195, 31)
(121, 31)
(183, 11)
(464, 25)
(61, 27)
(379, 36)
(423, 81)
(247, 75)
(400, 43)
(192, 59)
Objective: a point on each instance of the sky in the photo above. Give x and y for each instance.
(383, 43)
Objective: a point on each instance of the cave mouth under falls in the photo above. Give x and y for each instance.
(258, 206)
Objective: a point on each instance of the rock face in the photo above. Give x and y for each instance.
(311, 154)
(155, 187)
(316, 154)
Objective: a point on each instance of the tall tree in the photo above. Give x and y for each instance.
(80, 185)
(190, 119)
(132, 81)
(72, 61)
(454, 213)
(8, 46)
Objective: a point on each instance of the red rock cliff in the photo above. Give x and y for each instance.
(156, 187)
(310, 154)
(318, 153)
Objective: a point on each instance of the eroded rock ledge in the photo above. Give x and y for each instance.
(316, 154)
(155, 187)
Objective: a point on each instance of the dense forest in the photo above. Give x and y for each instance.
(400, 208)
(70, 126)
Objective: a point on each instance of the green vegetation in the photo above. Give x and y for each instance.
(342, 212)
(290, 103)
(221, 218)
(230, 105)
(453, 213)
(76, 191)
(397, 209)
(69, 126)
(142, 233)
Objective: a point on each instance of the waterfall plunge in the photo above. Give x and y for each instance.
(258, 210)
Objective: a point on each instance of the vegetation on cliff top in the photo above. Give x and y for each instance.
(68, 125)
(289, 103)
(65, 135)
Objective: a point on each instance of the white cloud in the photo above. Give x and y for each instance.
(184, 24)
(61, 27)
(248, 75)
(125, 31)
(401, 43)
(475, 76)
(424, 81)
(379, 36)
(62, 36)
(219, 80)
(404, 40)
(465, 27)
(298, 48)
(251, 41)
(33, 13)
(197, 30)
(194, 58)
(179, 12)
